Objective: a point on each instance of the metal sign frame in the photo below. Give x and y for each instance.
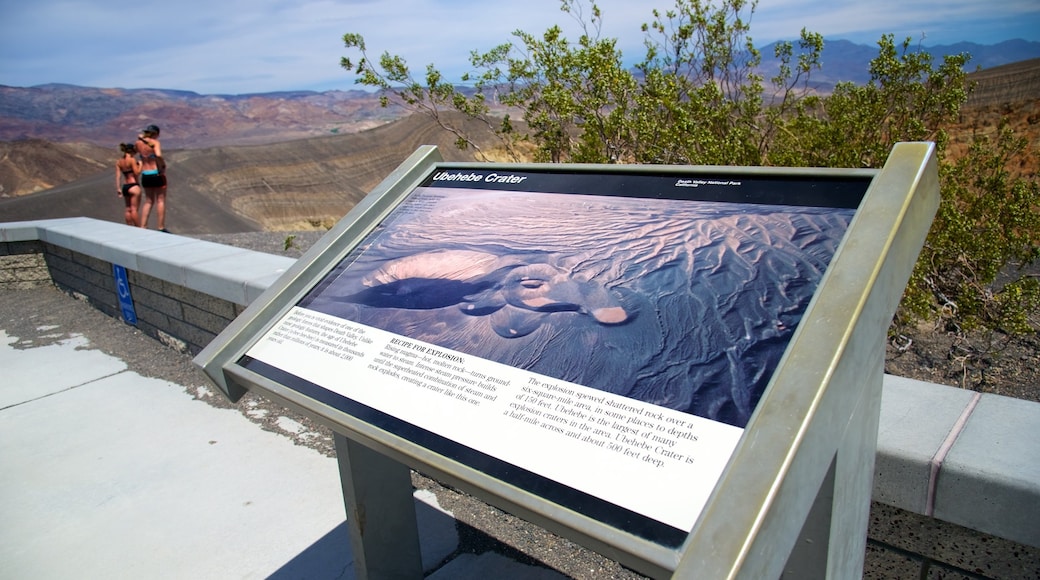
(795, 493)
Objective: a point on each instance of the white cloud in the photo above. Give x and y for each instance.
(239, 46)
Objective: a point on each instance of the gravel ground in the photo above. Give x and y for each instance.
(292, 244)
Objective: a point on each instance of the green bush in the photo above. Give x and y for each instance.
(698, 97)
(970, 274)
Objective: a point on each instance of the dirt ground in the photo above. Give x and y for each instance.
(987, 363)
(1000, 365)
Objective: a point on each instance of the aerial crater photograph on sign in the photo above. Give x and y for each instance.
(688, 305)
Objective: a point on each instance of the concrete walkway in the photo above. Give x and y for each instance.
(106, 473)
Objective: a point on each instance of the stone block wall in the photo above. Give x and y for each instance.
(22, 265)
(82, 276)
(180, 317)
(902, 544)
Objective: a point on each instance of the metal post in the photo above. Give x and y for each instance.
(833, 539)
(809, 557)
(377, 492)
(854, 481)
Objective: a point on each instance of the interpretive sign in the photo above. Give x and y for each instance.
(607, 333)
(616, 352)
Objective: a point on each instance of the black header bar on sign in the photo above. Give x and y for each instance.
(820, 191)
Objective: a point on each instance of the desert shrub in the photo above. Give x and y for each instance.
(698, 97)
(971, 274)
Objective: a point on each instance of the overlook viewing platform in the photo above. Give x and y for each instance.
(120, 458)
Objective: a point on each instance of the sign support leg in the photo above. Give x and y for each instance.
(377, 492)
(854, 481)
(833, 539)
(809, 557)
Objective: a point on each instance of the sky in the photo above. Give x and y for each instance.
(253, 46)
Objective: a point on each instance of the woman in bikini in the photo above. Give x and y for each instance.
(153, 176)
(127, 187)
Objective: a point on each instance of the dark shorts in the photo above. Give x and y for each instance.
(153, 180)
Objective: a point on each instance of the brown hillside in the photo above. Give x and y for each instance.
(35, 165)
(309, 183)
(293, 185)
(1010, 83)
(1008, 93)
(95, 197)
(312, 182)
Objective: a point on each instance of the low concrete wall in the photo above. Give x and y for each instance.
(179, 316)
(22, 265)
(185, 291)
(957, 479)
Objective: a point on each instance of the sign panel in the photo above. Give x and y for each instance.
(126, 302)
(599, 338)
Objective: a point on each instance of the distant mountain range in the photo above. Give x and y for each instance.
(844, 61)
(67, 113)
(105, 116)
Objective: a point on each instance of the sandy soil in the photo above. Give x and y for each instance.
(998, 364)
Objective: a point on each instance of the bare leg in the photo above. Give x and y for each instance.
(160, 209)
(130, 214)
(146, 208)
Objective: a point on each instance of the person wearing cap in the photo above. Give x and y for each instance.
(153, 177)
